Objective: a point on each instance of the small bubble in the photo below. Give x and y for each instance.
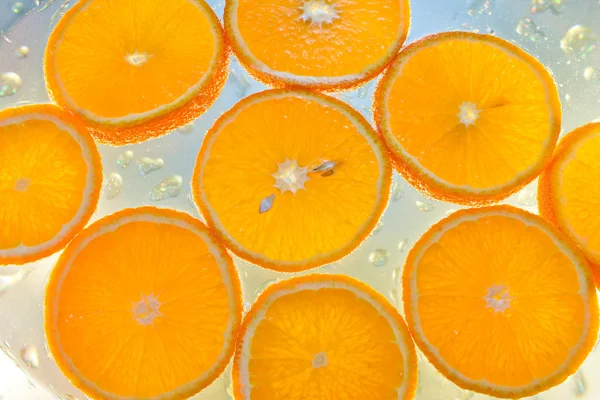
(23, 52)
(568, 101)
(59, 13)
(469, 28)
(125, 158)
(542, 5)
(423, 206)
(590, 73)
(263, 286)
(29, 355)
(363, 91)
(394, 296)
(247, 306)
(9, 84)
(240, 82)
(10, 276)
(266, 204)
(403, 245)
(527, 198)
(379, 257)
(397, 275)
(579, 384)
(168, 188)
(145, 165)
(529, 29)
(579, 41)
(465, 395)
(186, 129)
(397, 191)
(377, 228)
(480, 7)
(17, 7)
(113, 185)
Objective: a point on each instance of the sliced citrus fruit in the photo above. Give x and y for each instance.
(568, 191)
(135, 70)
(468, 118)
(143, 304)
(324, 337)
(50, 180)
(322, 44)
(291, 180)
(500, 301)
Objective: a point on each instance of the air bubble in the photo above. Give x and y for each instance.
(9, 84)
(527, 198)
(146, 165)
(113, 186)
(377, 228)
(480, 7)
(379, 257)
(579, 41)
(579, 384)
(542, 5)
(166, 189)
(186, 129)
(9, 276)
(529, 29)
(22, 51)
(423, 206)
(397, 191)
(590, 73)
(465, 395)
(125, 158)
(29, 355)
(240, 82)
(263, 286)
(17, 7)
(403, 245)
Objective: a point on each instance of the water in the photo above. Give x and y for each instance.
(403, 221)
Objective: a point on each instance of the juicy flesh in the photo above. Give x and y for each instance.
(42, 181)
(324, 344)
(315, 221)
(330, 38)
(579, 195)
(113, 67)
(143, 310)
(499, 301)
(470, 113)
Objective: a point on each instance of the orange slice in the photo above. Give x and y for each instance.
(322, 44)
(500, 301)
(323, 337)
(50, 180)
(468, 118)
(136, 69)
(143, 304)
(291, 180)
(568, 191)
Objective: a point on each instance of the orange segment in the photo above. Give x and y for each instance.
(500, 301)
(50, 178)
(568, 191)
(324, 44)
(292, 180)
(144, 303)
(136, 69)
(468, 118)
(324, 337)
